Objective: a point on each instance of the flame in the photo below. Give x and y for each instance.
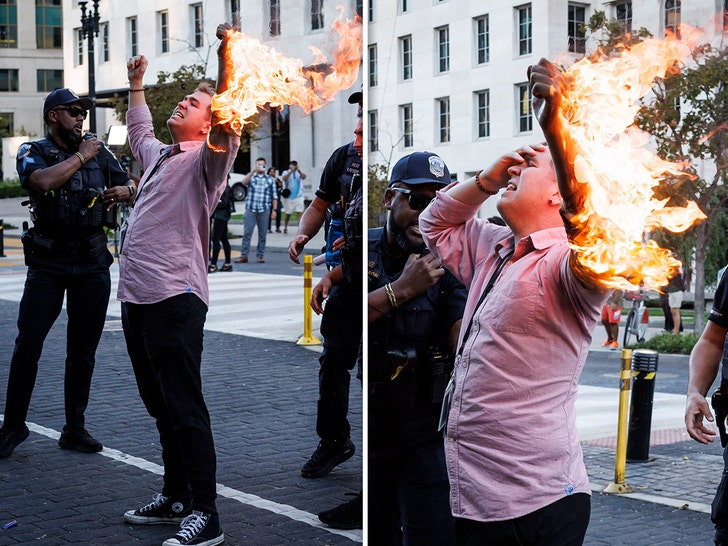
(259, 75)
(615, 171)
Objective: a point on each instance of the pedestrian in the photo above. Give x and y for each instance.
(293, 178)
(514, 460)
(341, 324)
(260, 205)
(220, 218)
(73, 183)
(164, 294)
(611, 315)
(708, 354)
(675, 293)
(272, 171)
(415, 309)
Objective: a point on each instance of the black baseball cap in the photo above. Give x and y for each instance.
(64, 96)
(356, 98)
(420, 168)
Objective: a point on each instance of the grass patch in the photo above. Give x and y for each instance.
(681, 344)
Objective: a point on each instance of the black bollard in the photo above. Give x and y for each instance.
(644, 369)
(2, 240)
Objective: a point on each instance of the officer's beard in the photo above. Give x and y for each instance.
(407, 244)
(70, 137)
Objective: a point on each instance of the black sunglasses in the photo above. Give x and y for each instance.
(74, 111)
(416, 200)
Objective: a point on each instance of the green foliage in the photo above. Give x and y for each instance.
(11, 188)
(377, 180)
(613, 32)
(668, 343)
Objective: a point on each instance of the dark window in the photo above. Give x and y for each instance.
(524, 30)
(9, 79)
(577, 34)
(672, 17)
(525, 119)
(623, 13)
(198, 26)
(317, 14)
(48, 24)
(373, 131)
(443, 48)
(482, 99)
(8, 24)
(48, 80)
(443, 114)
(373, 65)
(408, 135)
(274, 13)
(482, 40)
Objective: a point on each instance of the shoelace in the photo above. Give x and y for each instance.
(192, 525)
(158, 500)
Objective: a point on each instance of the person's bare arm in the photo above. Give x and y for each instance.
(311, 221)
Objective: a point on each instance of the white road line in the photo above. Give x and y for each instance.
(284, 510)
(597, 487)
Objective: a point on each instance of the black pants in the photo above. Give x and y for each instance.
(86, 282)
(164, 341)
(719, 508)
(220, 235)
(562, 523)
(341, 327)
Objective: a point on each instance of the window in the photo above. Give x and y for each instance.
(523, 14)
(8, 24)
(359, 7)
(370, 11)
(406, 125)
(274, 17)
(404, 6)
(198, 26)
(8, 79)
(7, 124)
(373, 131)
(48, 24)
(482, 108)
(443, 48)
(672, 17)
(131, 25)
(482, 40)
(48, 80)
(623, 14)
(163, 22)
(577, 34)
(443, 119)
(525, 119)
(317, 14)
(235, 18)
(78, 46)
(104, 31)
(373, 65)
(405, 50)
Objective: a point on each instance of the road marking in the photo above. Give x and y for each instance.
(284, 510)
(597, 487)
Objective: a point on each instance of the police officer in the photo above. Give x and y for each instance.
(73, 183)
(415, 308)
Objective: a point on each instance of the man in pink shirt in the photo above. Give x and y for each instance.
(164, 294)
(515, 465)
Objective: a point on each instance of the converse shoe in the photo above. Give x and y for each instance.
(79, 440)
(328, 454)
(345, 516)
(161, 510)
(198, 529)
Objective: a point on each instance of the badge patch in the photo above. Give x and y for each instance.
(24, 150)
(437, 166)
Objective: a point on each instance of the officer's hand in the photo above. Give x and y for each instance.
(295, 247)
(117, 194)
(695, 409)
(419, 274)
(135, 69)
(89, 148)
(320, 293)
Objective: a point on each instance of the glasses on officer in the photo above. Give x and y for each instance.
(416, 200)
(74, 111)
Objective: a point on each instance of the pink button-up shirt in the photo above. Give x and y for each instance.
(167, 239)
(511, 443)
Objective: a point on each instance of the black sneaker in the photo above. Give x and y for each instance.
(328, 454)
(79, 441)
(198, 529)
(10, 438)
(161, 510)
(345, 516)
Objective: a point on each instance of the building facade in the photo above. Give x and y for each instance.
(449, 76)
(175, 33)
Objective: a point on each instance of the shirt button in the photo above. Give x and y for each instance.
(570, 489)
(451, 439)
(456, 403)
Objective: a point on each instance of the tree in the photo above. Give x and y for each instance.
(686, 116)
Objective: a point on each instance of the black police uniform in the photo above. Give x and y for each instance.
(65, 252)
(341, 324)
(408, 365)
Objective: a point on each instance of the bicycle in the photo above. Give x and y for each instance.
(637, 319)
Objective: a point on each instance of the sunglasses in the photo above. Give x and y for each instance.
(74, 111)
(416, 200)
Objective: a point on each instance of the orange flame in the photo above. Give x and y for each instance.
(259, 75)
(616, 172)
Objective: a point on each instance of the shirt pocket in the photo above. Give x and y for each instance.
(515, 306)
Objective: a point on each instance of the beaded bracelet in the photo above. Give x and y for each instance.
(481, 188)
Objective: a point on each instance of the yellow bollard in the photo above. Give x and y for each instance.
(620, 464)
(307, 338)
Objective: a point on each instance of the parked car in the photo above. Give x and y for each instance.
(240, 192)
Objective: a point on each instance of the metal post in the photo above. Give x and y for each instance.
(644, 369)
(90, 30)
(2, 239)
(307, 338)
(619, 485)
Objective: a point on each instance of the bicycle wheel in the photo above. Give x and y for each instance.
(644, 320)
(630, 327)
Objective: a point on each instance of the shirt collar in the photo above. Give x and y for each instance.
(537, 240)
